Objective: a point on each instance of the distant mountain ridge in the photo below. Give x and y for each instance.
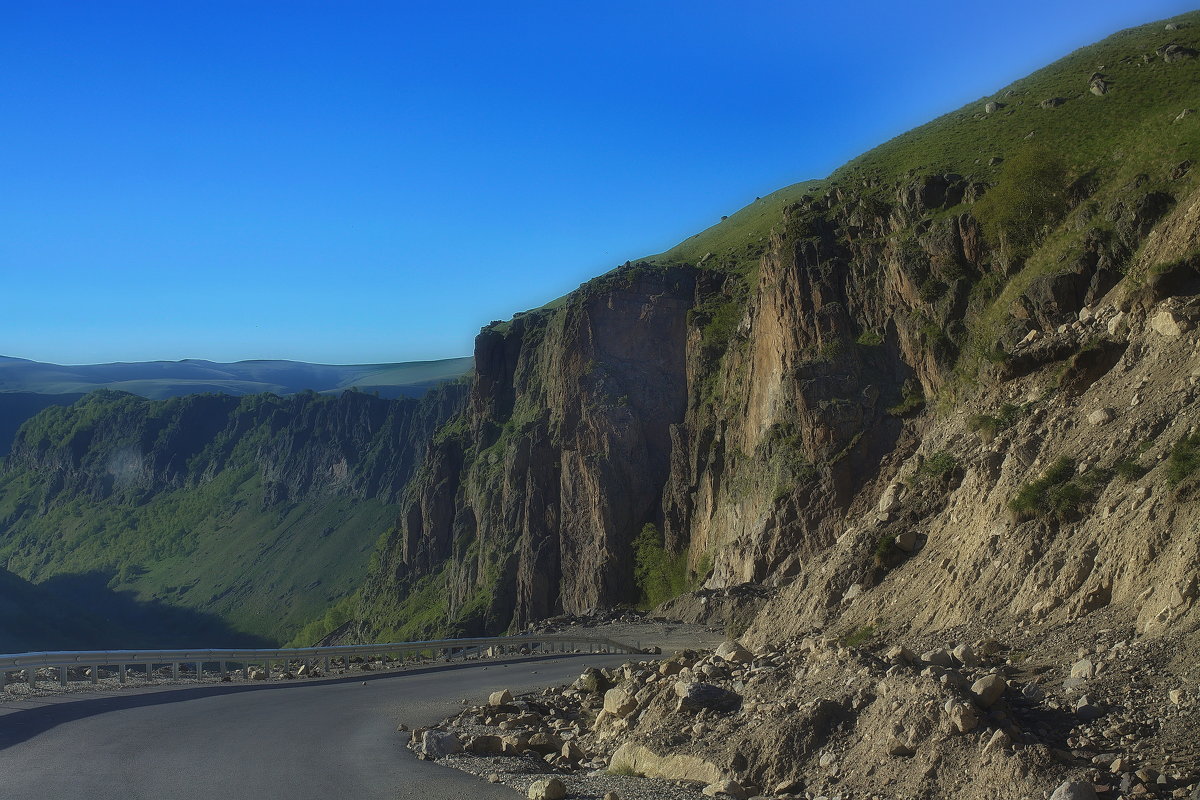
(158, 380)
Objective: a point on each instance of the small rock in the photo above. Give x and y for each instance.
(907, 541)
(612, 796)
(1101, 416)
(500, 698)
(999, 741)
(1083, 668)
(1052, 102)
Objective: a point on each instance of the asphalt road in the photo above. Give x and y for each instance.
(326, 739)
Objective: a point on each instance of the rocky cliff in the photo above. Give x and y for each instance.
(865, 390)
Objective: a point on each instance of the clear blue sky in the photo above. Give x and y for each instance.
(356, 181)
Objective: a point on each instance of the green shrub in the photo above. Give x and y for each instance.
(912, 400)
(859, 636)
(1029, 197)
(1128, 469)
(988, 425)
(1184, 459)
(869, 339)
(939, 465)
(1060, 493)
(883, 548)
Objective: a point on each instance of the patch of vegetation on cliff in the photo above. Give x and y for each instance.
(1184, 461)
(1060, 494)
(989, 425)
(657, 575)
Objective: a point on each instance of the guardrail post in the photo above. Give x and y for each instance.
(95, 674)
(224, 670)
(31, 677)
(121, 670)
(174, 670)
(3, 680)
(326, 665)
(62, 675)
(199, 670)
(149, 672)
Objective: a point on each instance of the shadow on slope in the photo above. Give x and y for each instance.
(120, 621)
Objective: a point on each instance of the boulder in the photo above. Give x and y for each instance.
(1074, 790)
(1176, 52)
(500, 698)
(991, 107)
(593, 680)
(669, 668)
(725, 789)
(988, 689)
(1166, 323)
(485, 745)
(545, 743)
(636, 759)
(965, 655)
(619, 702)
(938, 658)
(1101, 416)
(547, 789)
(437, 744)
(907, 541)
(1052, 102)
(899, 654)
(732, 651)
(1083, 668)
(962, 717)
(1098, 86)
(694, 696)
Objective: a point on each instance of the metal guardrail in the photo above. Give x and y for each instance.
(64, 661)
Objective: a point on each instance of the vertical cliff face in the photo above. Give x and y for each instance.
(531, 497)
(739, 412)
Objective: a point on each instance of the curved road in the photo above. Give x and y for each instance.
(327, 739)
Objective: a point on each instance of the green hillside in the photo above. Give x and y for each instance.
(209, 519)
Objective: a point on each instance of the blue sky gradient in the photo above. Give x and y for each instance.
(355, 182)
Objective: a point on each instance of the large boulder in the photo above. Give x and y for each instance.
(694, 696)
(732, 651)
(1074, 790)
(500, 698)
(437, 744)
(636, 759)
(593, 680)
(988, 689)
(547, 789)
(619, 702)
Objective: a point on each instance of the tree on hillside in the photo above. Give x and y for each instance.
(1029, 198)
